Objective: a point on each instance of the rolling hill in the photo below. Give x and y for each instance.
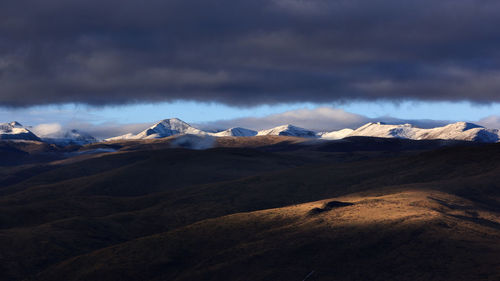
(255, 208)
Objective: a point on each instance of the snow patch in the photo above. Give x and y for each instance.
(335, 135)
(236, 132)
(288, 130)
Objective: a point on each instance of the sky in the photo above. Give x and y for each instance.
(117, 65)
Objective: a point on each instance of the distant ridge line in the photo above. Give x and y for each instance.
(463, 131)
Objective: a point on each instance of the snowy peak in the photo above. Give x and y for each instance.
(169, 127)
(236, 132)
(288, 130)
(9, 127)
(381, 130)
(461, 131)
(464, 126)
(16, 131)
(335, 135)
(162, 129)
(456, 131)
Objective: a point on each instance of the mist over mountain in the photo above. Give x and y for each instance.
(71, 137)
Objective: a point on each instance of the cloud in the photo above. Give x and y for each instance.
(323, 118)
(492, 122)
(99, 131)
(107, 129)
(246, 53)
(48, 130)
(318, 119)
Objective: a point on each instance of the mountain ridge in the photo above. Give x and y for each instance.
(163, 128)
(236, 132)
(15, 131)
(463, 131)
(288, 130)
(454, 131)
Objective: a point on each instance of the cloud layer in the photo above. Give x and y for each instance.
(245, 53)
(49, 130)
(99, 131)
(492, 122)
(318, 119)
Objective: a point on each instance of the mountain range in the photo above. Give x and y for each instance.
(463, 131)
(455, 131)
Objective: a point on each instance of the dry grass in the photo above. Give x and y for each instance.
(149, 212)
(413, 235)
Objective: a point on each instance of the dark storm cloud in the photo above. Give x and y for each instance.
(244, 52)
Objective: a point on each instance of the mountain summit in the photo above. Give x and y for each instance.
(288, 130)
(236, 132)
(15, 131)
(164, 128)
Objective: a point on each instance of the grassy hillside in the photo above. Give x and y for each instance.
(411, 235)
(68, 217)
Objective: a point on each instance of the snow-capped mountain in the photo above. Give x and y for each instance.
(16, 131)
(382, 130)
(164, 128)
(288, 130)
(236, 132)
(461, 131)
(72, 137)
(456, 131)
(335, 135)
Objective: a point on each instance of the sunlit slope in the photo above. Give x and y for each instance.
(411, 235)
